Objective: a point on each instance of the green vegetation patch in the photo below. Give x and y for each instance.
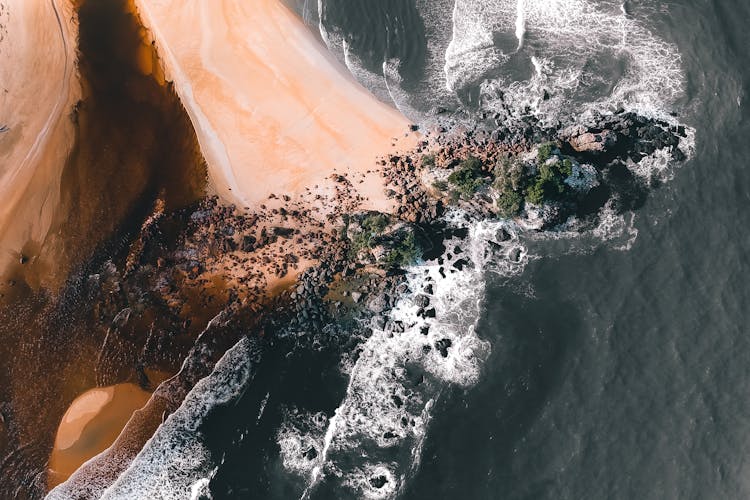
(440, 185)
(404, 252)
(545, 151)
(359, 242)
(467, 177)
(549, 182)
(373, 225)
(510, 181)
(518, 183)
(509, 204)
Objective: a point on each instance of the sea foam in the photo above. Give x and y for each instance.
(176, 463)
(403, 368)
(586, 57)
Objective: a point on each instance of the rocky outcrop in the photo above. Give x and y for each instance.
(624, 135)
(306, 272)
(589, 141)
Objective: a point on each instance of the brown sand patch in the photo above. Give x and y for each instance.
(91, 424)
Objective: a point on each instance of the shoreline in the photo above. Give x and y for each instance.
(326, 233)
(362, 253)
(266, 99)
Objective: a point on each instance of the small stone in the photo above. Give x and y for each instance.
(430, 313)
(442, 346)
(379, 322)
(422, 301)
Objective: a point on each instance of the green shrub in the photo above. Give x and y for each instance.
(516, 186)
(375, 223)
(544, 152)
(509, 203)
(428, 160)
(440, 185)
(359, 242)
(547, 185)
(509, 175)
(467, 177)
(535, 194)
(404, 253)
(372, 226)
(567, 167)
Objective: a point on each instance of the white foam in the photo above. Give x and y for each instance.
(366, 481)
(520, 22)
(300, 433)
(660, 164)
(393, 82)
(617, 230)
(376, 84)
(200, 489)
(582, 49)
(373, 442)
(384, 411)
(176, 463)
(423, 95)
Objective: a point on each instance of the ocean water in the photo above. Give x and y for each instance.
(610, 365)
(613, 364)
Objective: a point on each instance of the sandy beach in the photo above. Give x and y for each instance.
(38, 91)
(273, 111)
(90, 425)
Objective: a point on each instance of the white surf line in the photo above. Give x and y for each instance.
(537, 66)
(321, 27)
(520, 23)
(327, 440)
(306, 13)
(388, 88)
(446, 66)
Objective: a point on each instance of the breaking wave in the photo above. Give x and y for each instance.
(428, 342)
(553, 59)
(372, 444)
(176, 463)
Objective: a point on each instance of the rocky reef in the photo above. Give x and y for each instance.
(207, 268)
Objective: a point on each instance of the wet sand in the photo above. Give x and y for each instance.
(273, 111)
(38, 91)
(131, 144)
(91, 425)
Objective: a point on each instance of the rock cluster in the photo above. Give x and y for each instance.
(297, 267)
